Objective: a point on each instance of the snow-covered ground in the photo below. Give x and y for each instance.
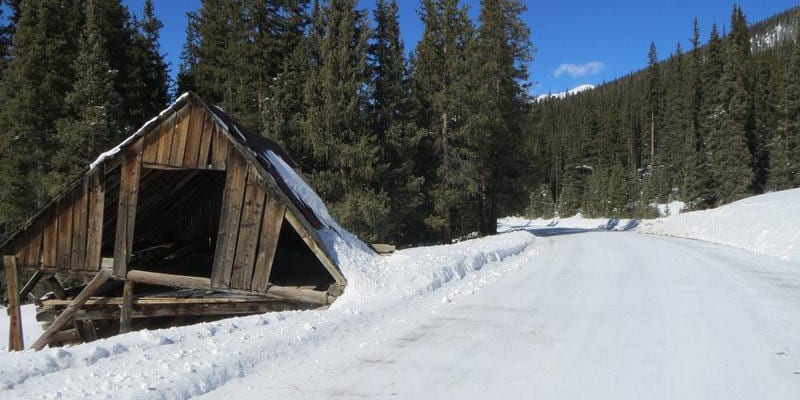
(30, 328)
(767, 224)
(384, 296)
(550, 310)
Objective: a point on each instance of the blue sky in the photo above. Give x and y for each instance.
(577, 42)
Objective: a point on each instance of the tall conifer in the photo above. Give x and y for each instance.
(33, 89)
(94, 122)
(439, 71)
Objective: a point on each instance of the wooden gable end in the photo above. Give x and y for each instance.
(188, 138)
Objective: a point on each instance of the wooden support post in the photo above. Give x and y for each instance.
(126, 308)
(15, 342)
(23, 294)
(69, 313)
(126, 211)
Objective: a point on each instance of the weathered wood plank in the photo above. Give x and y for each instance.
(193, 137)
(298, 220)
(94, 226)
(64, 232)
(219, 148)
(50, 238)
(171, 280)
(126, 308)
(203, 160)
(235, 181)
(249, 228)
(67, 315)
(15, 338)
(271, 224)
(28, 246)
(194, 282)
(79, 225)
(126, 212)
(179, 138)
(150, 152)
(146, 309)
(165, 140)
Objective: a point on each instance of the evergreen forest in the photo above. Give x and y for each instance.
(406, 145)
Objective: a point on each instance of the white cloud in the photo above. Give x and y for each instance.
(578, 71)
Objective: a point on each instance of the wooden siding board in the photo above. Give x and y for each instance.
(165, 140)
(64, 232)
(219, 148)
(193, 137)
(179, 137)
(33, 245)
(150, 152)
(50, 238)
(79, 218)
(271, 223)
(247, 241)
(94, 228)
(126, 213)
(235, 181)
(203, 160)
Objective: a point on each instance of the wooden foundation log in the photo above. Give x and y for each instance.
(67, 315)
(194, 282)
(170, 280)
(15, 341)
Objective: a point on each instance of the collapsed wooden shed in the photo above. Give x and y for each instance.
(191, 218)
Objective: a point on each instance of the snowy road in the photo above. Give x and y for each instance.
(598, 315)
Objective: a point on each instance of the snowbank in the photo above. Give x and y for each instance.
(766, 224)
(575, 222)
(178, 363)
(31, 329)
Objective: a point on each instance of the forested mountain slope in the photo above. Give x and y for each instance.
(708, 125)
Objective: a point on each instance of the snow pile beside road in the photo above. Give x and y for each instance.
(766, 224)
(575, 222)
(179, 363)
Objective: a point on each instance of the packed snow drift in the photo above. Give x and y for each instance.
(767, 224)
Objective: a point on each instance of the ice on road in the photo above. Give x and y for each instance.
(598, 315)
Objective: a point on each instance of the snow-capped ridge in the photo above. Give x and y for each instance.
(561, 95)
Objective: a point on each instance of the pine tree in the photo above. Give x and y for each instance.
(498, 101)
(711, 111)
(393, 124)
(330, 127)
(234, 50)
(153, 92)
(731, 157)
(654, 100)
(677, 120)
(785, 145)
(439, 69)
(94, 122)
(32, 93)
